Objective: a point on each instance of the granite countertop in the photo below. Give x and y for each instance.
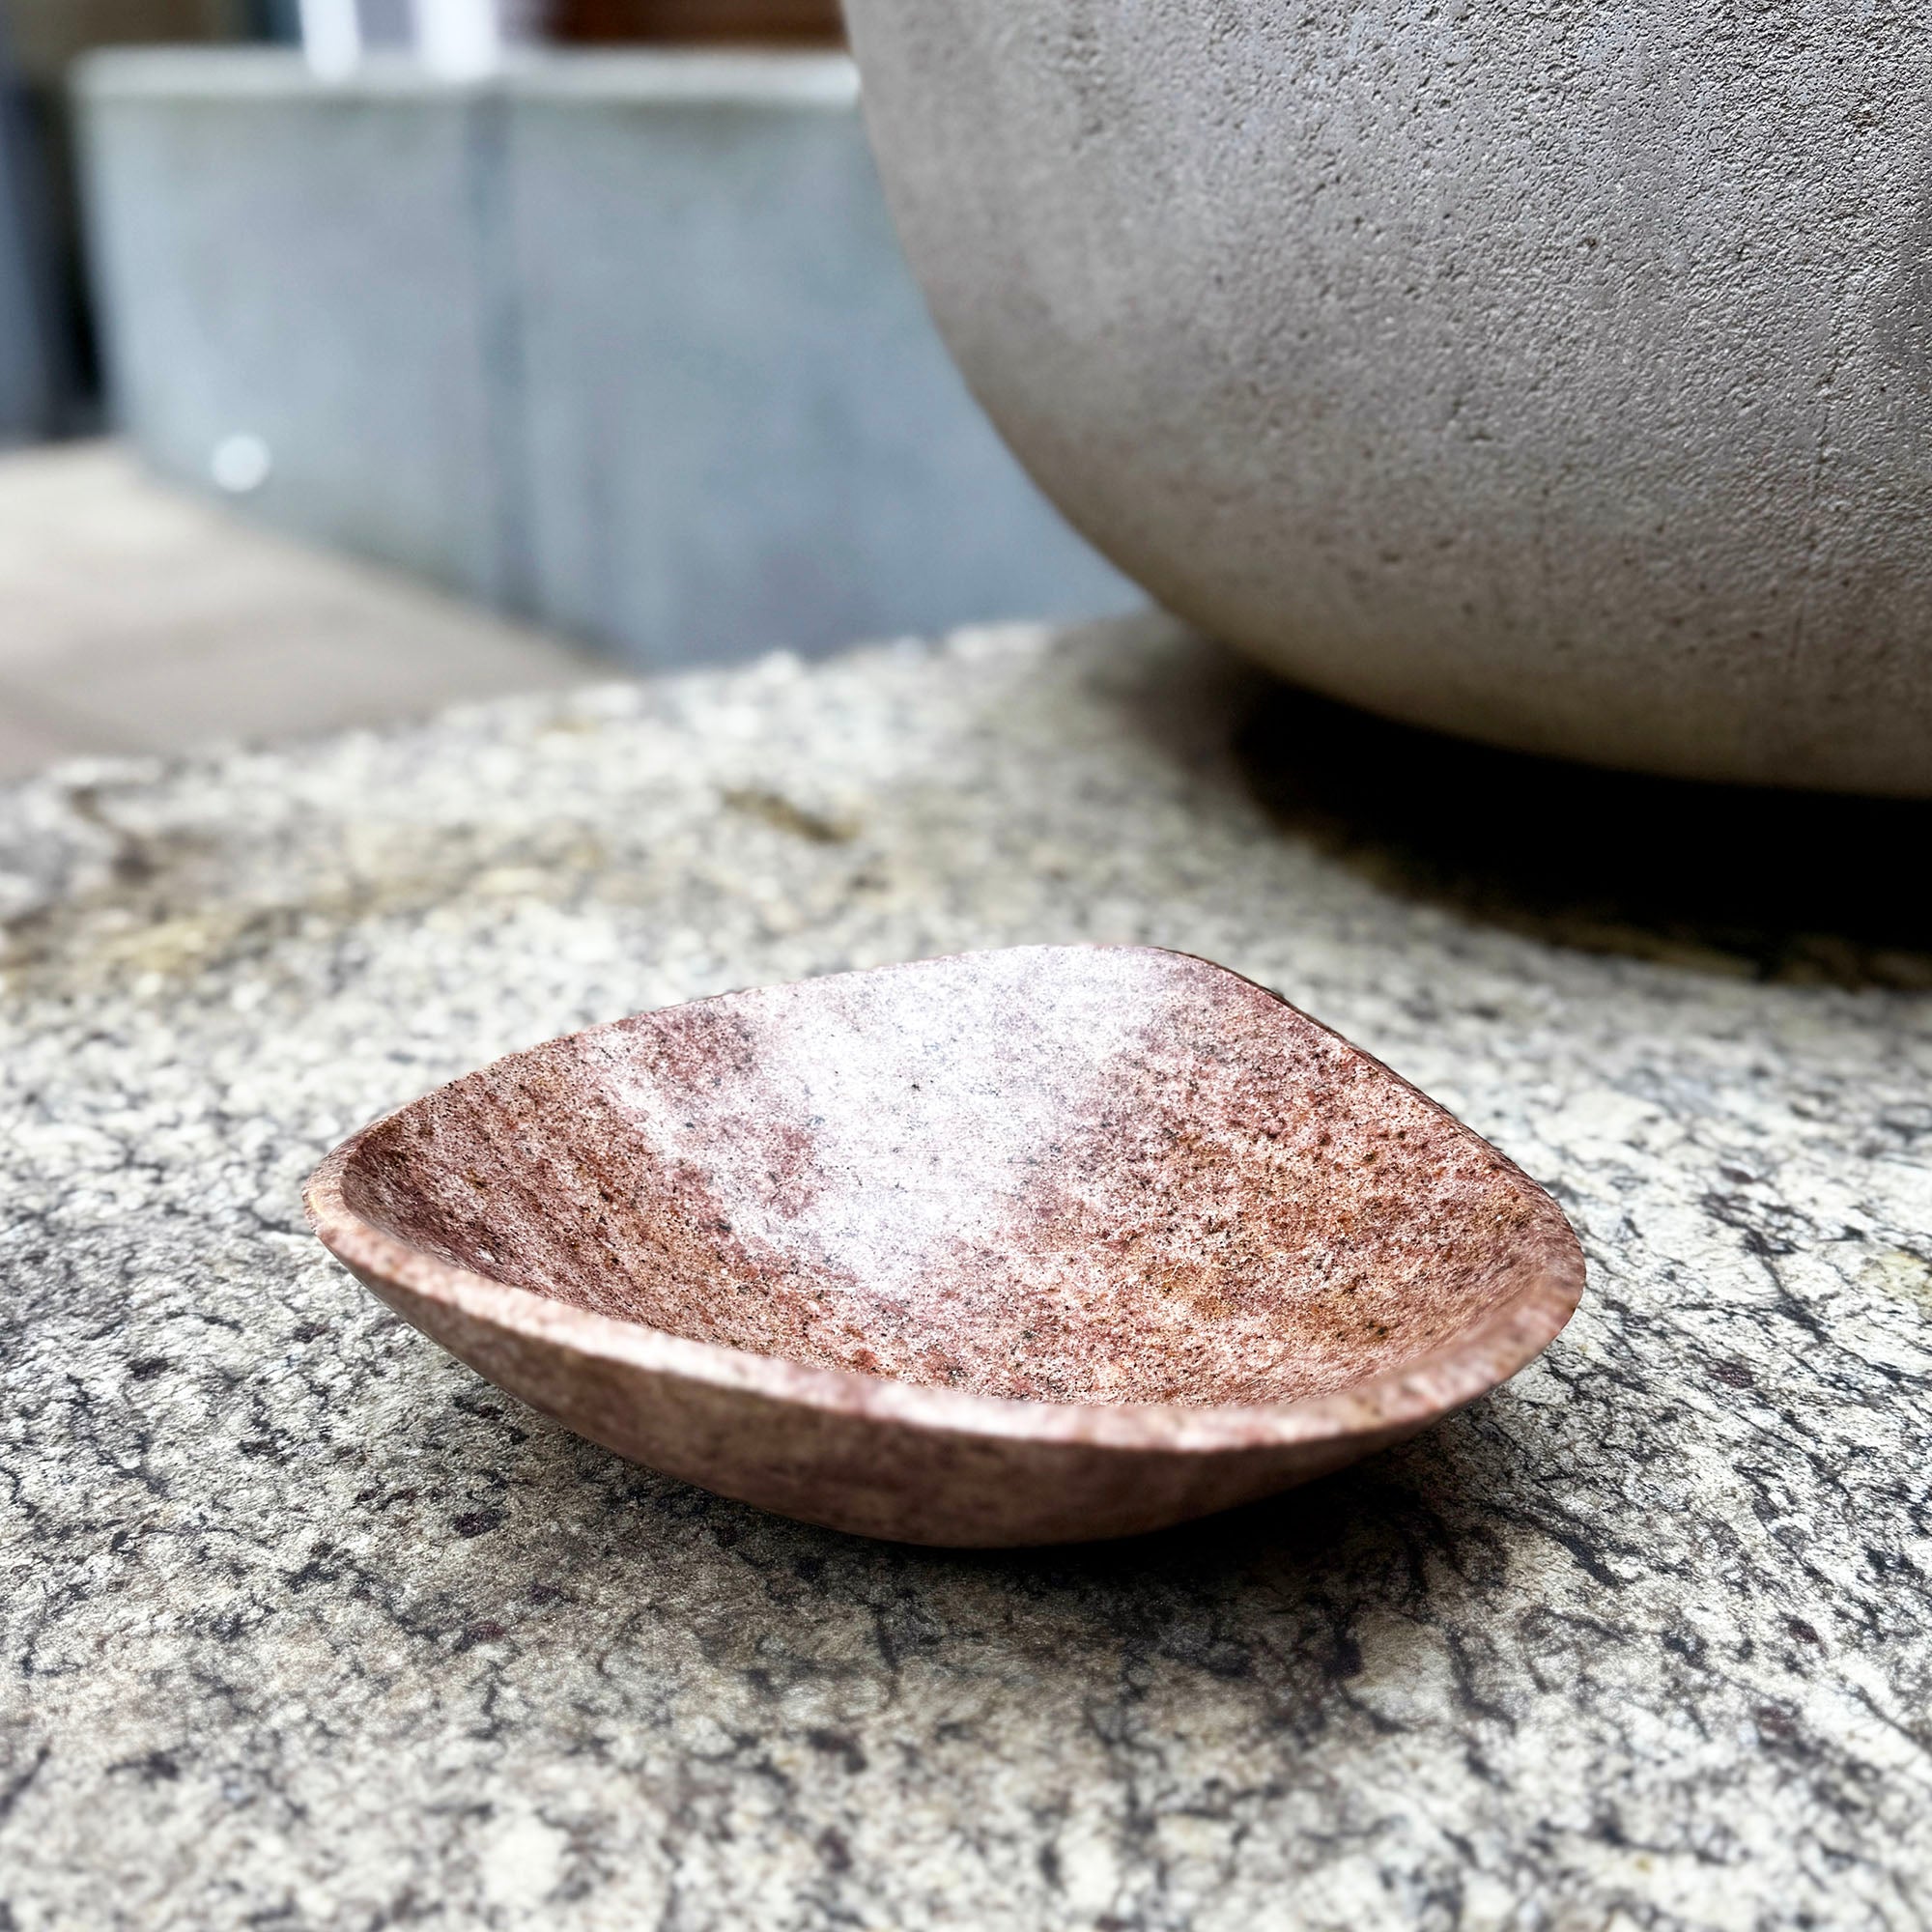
(305, 1625)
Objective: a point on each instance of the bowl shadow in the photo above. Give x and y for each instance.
(1801, 887)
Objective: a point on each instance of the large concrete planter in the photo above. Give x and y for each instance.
(622, 341)
(1554, 375)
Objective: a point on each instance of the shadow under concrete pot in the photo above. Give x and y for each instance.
(1558, 377)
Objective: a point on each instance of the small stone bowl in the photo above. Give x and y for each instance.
(1020, 1247)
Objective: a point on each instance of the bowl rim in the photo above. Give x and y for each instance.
(1403, 1398)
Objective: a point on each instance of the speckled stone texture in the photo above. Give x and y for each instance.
(1030, 1246)
(305, 1625)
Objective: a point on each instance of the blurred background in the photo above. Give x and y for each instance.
(360, 355)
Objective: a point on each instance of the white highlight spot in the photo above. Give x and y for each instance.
(240, 463)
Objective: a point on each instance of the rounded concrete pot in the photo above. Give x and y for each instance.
(1561, 377)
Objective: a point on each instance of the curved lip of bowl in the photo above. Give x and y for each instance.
(1407, 1397)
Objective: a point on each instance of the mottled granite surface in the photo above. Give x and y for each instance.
(305, 1626)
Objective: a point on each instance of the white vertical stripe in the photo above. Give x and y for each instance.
(458, 40)
(332, 34)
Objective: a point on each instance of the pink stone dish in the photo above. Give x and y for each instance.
(1028, 1246)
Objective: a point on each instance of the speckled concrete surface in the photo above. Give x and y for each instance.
(1557, 374)
(305, 1626)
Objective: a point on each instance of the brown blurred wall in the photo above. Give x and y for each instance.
(792, 22)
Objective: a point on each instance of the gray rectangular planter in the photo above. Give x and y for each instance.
(622, 341)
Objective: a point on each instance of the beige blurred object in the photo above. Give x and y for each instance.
(134, 617)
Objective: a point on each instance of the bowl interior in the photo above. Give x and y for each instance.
(1063, 1174)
